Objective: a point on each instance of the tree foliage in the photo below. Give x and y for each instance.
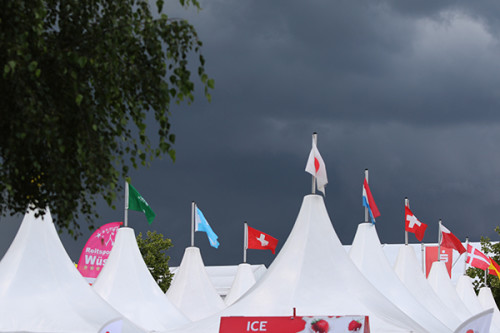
(492, 250)
(153, 249)
(79, 78)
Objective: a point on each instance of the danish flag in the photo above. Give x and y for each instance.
(476, 258)
(412, 224)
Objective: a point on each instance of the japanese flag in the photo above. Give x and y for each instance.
(316, 167)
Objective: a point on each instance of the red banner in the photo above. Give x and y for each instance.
(446, 256)
(309, 324)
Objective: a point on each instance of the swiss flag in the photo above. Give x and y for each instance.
(316, 167)
(451, 241)
(260, 241)
(412, 224)
(476, 258)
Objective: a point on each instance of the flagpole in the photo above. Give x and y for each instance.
(366, 208)
(407, 204)
(422, 249)
(466, 254)
(193, 207)
(314, 143)
(245, 242)
(125, 220)
(439, 241)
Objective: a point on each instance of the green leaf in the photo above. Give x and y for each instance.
(78, 99)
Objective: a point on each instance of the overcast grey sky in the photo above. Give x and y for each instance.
(409, 90)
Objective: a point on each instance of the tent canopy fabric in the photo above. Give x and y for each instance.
(488, 302)
(243, 281)
(465, 291)
(191, 290)
(366, 252)
(441, 284)
(313, 274)
(42, 291)
(409, 272)
(126, 283)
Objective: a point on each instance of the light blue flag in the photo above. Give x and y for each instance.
(201, 224)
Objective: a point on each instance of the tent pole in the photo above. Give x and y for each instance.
(407, 204)
(366, 208)
(439, 240)
(193, 207)
(315, 141)
(466, 254)
(125, 219)
(245, 242)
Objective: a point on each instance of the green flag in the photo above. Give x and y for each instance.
(137, 202)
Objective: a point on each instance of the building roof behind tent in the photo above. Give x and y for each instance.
(366, 253)
(410, 273)
(42, 291)
(191, 289)
(127, 284)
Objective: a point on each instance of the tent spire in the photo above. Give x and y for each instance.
(245, 241)
(440, 238)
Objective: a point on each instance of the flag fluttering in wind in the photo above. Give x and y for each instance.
(138, 203)
(412, 224)
(369, 202)
(258, 240)
(494, 268)
(451, 241)
(201, 224)
(477, 259)
(316, 167)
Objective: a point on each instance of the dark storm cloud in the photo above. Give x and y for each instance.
(407, 89)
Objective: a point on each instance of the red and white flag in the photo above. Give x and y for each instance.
(412, 224)
(476, 258)
(258, 240)
(451, 241)
(316, 167)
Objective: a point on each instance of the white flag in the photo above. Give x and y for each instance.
(316, 167)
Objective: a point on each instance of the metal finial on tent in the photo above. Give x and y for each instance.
(245, 242)
(125, 218)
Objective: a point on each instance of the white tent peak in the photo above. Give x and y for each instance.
(440, 281)
(191, 290)
(488, 302)
(314, 274)
(409, 271)
(366, 252)
(40, 288)
(465, 291)
(127, 284)
(243, 281)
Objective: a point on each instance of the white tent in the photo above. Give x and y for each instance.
(126, 283)
(314, 274)
(408, 269)
(191, 290)
(441, 284)
(487, 302)
(243, 281)
(42, 291)
(465, 291)
(366, 252)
